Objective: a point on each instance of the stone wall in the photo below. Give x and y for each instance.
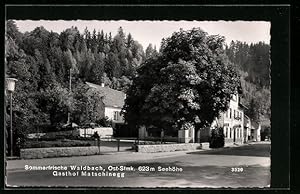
(34, 153)
(205, 146)
(168, 147)
(229, 141)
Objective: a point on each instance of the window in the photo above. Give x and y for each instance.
(230, 132)
(225, 131)
(229, 112)
(241, 115)
(234, 97)
(116, 115)
(234, 116)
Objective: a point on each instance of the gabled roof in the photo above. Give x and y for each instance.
(243, 105)
(112, 98)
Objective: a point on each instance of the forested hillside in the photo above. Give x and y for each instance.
(253, 62)
(44, 62)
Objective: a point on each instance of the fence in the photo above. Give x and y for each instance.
(102, 131)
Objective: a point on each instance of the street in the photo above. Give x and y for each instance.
(244, 166)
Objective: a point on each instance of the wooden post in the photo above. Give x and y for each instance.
(11, 131)
(70, 88)
(99, 144)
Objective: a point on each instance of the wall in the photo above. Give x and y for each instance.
(230, 123)
(229, 141)
(186, 136)
(109, 112)
(102, 131)
(34, 153)
(257, 132)
(143, 132)
(168, 147)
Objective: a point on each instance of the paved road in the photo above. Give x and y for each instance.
(211, 168)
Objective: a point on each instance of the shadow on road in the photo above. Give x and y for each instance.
(260, 150)
(208, 175)
(191, 176)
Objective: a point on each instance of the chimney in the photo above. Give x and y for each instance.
(102, 84)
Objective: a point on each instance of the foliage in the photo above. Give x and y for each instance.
(190, 81)
(56, 101)
(57, 143)
(88, 105)
(217, 138)
(42, 60)
(254, 66)
(253, 110)
(104, 122)
(150, 52)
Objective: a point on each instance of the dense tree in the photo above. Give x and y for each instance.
(97, 69)
(187, 85)
(13, 32)
(254, 66)
(88, 105)
(42, 61)
(56, 102)
(150, 51)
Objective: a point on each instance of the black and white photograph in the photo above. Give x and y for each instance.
(137, 104)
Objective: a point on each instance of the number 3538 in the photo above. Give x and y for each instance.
(239, 169)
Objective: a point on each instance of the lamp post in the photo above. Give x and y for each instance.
(11, 82)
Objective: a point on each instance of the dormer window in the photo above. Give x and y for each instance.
(116, 115)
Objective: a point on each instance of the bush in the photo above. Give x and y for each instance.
(217, 138)
(104, 122)
(57, 143)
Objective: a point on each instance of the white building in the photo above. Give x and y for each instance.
(113, 101)
(232, 122)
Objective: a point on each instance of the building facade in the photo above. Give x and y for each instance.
(232, 122)
(247, 128)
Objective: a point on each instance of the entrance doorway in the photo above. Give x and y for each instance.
(234, 135)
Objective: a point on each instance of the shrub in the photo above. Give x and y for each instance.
(104, 122)
(58, 143)
(217, 138)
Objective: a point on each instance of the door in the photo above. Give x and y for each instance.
(234, 135)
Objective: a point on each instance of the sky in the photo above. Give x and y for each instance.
(146, 32)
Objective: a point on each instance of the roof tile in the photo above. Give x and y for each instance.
(112, 98)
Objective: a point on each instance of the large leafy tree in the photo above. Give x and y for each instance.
(187, 84)
(88, 105)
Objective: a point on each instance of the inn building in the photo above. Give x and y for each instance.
(113, 100)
